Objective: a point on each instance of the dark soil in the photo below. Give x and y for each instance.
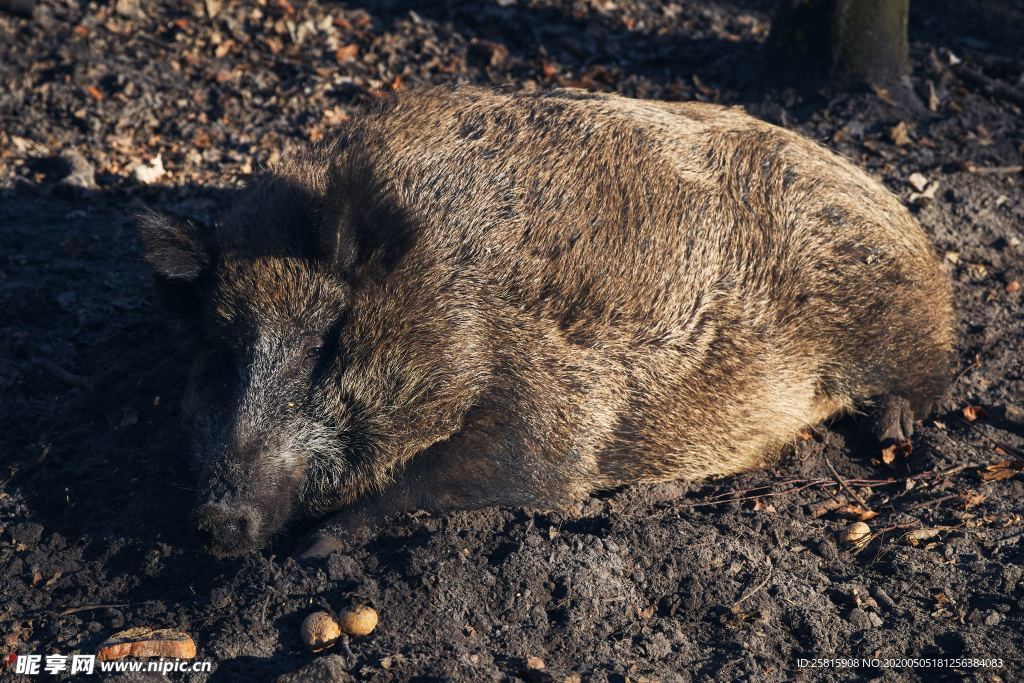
(648, 582)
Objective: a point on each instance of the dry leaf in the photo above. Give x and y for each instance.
(904, 448)
(972, 413)
(346, 52)
(900, 134)
(972, 498)
(933, 97)
(1003, 469)
(151, 171)
(883, 95)
(918, 181)
(855, 512)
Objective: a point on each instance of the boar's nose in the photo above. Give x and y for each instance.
(228, 529)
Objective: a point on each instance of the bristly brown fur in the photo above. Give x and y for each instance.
(528, 297)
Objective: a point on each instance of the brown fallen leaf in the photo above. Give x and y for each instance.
(917, 536)
(900, 134)
(972, 498)
(903, 448)
(346, 52)
(1004, 469)
(94, 93)
(972, 413)
(533, 662)
(855, 512)
(146, 642)
(883, 94)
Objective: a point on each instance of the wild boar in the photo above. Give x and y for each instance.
(470, 298)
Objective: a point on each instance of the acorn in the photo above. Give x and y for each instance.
(320, 631)
(358, 621)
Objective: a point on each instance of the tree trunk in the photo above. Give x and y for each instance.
(839, 43)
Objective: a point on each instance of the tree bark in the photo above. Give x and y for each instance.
(839, 43)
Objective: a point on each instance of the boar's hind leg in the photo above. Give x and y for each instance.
(470, 470)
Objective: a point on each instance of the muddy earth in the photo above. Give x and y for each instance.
(737, 578)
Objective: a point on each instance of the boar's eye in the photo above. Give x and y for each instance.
(312, 351)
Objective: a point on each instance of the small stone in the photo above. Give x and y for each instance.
(150, 171)
(860, 619)
(918, 181)
(884, 599)
(80, 173)
(128, 8)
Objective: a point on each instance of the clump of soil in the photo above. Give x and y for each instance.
(733, 578)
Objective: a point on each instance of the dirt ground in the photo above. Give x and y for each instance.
(738, 578)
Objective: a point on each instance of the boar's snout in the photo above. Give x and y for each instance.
(228, 529)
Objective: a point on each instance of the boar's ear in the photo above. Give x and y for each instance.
(175, 250)
(178, 254)
(363, 228)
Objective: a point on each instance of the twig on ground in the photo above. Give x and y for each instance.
(754, 591)
(86, 608)
(64, 375)
(842, 484)
(970, 167)
(991, 86)
(932, 502)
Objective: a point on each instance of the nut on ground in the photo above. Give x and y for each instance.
(857, 533)
(320, 631)
(358, 621)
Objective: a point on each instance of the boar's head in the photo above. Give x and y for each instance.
(334, 348)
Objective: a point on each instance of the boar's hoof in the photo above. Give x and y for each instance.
(893, 420)
(228, 529)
